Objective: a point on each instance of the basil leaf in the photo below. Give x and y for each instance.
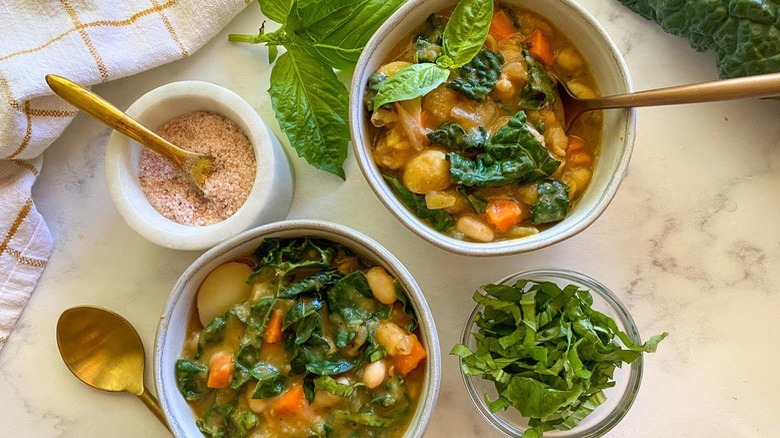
(467, 30)
(413, 81)
(552, 204)
(439, 219)
(336, 31)
(276, 10)
(311, 106)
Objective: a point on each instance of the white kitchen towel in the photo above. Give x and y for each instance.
(88, 41)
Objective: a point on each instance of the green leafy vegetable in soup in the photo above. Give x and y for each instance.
(309, 340)
(469, 127)
(549, 353)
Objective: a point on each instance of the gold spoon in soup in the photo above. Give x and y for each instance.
(196, 166)
(104, 351)
(767, 85)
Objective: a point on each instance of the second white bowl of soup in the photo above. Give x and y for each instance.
(480, 163)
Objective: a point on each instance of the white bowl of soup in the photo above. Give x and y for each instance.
(297, 329)
(465, 144)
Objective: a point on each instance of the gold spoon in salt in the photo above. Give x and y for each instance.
(196, 166)
(104, 351)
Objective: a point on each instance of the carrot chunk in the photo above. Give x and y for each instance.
(291, 402)
(273, 328)
(501, 26)
(404, 363)
(221, 369)
(503, 214)
(540, 47)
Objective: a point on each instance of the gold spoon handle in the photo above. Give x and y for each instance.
(102, 110)
(767, 85)
(151, 402)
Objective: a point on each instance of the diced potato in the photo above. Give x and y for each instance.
(520, 232)
(438, 200)
(568, 59)
(392, 68)
(427, 171)
(528, 194)
(393, 150)
(221, 289)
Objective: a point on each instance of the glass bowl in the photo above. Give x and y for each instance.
(627, 378)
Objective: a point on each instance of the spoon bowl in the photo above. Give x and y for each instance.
(103, 350)
(196, 166)
(767, 85)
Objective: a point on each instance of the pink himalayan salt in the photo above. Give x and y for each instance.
(229, 184)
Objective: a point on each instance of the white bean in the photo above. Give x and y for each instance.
(475, 229)
(381, 284)
(392, 338)
(374, 373)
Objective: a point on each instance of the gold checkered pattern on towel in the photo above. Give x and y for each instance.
(90, 42)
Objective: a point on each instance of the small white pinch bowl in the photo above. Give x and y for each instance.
(269, 199)
(614, 153)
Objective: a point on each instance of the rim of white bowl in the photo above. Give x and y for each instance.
(269, 199)
(361, 147)
(323, 229)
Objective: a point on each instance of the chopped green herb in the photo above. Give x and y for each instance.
(549, 353)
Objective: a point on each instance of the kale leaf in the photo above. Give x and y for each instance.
(313, 283)
(478, 77)
(270, 382)
(191, 378)
(430, 40)
(453, 136)
(475, 201)
(539, 90)
(552, 203)
(513, 154)
(351, 298)
(744, 34)
(439, 219)
(291, 255)
(374, 82)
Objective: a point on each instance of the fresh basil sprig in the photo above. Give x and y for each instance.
(309, 100)
(463, 38)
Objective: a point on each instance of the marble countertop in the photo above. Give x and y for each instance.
(690, 244)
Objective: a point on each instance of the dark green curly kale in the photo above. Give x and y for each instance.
(453, 136)
(374, 81)
(552, 205)
(429, 42)
(744, 34)
(478, 78)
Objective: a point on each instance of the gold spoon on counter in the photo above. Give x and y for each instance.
(767, 85)
(104, 351)
(196, 166)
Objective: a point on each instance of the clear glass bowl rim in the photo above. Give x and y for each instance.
(635, 368)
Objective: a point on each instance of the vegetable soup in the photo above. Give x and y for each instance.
(469, 128)
(303, 338)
